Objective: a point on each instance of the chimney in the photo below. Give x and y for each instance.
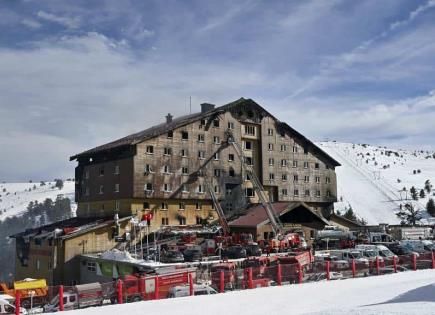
(168, 118)
(206, 107)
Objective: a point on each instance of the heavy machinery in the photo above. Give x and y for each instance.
(32, 291)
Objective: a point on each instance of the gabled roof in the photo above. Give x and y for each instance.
(163, 128)
(257, 216)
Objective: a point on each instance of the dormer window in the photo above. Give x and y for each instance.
(170, 134)
(184, 135)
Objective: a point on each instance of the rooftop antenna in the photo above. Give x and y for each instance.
(190, 104)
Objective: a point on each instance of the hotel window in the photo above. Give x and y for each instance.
(328, 180)
(150, 149)
(250, 130)
(307, 193)
(148, 169)
(183, 152)
(305, 150)
(87, 191)
(295, 149)
(148, 187)
(217, 189)
(91, 266)
(181, 206)
(201, 155)
(316, 166)
(167, 188)
(318, 193)
(249, 192)
(200, 189)
(271, 161)
(166, 169)
(116, 188)
(184, 170)
(198, 206)
(182, 221)
(216, 156)
(184, 188)
(102, 171)
(317, 179)
(217, 172)
(284, 192)
(230, 157)
(216, 123)
(284, 177)
(116, 170)
(295, 163)
(165, 221)
(283, 148)
(230, 125)
(229, 206)
(231, 172)
(184, 135)
(101, 191)
(283, 163)
(270, 132)
(328, 193)
(117, 205)
(271, 176)
(248, 145)
(167, 151)
(216, 140)
(164, 206)
(170, 134)
(306, 179)
(270, 146)
(296, 192)
(198, 220)
(295, 178)
(249, 160)
(201, 137)
(305, 164)
(247, 177)
(146, 205)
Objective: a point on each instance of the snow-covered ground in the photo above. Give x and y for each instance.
(15, 197)
(371, 179)
(404, 293)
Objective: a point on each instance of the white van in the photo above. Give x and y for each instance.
(7, 305)
(184, 290)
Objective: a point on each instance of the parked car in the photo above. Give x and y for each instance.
(234, 252)
(400, 250)
(171, 256)
(7, 305)
(193, 253)
(253, 250)
(184, 290)
(333, 275)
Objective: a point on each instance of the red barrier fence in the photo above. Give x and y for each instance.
(229, 277)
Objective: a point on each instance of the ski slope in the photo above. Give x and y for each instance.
(372, 179)
(16, 197)
(408, 293)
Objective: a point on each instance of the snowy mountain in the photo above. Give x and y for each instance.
(15, 197)
(372, 179)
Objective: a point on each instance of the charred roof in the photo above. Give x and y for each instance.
(206, 112)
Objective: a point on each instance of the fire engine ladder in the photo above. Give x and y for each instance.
(259, 189)
(222, 219)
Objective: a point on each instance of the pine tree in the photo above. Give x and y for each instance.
(413, 192)
(350, 215)
(428, 186)
(422, 194)
(430, 207)
(59, 184)
(409, 215)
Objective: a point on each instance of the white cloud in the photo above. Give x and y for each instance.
(413, 14)
(31, 23)
(69, 22)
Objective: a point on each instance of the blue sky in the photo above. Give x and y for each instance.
(76, 74)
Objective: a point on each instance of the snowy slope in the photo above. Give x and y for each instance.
(403, 293)
(15, 199)
(371, 179)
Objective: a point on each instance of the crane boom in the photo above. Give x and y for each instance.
(222, 219)
(259, 189)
